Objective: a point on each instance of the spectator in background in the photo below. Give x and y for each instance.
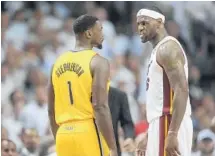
(66, 36)
(4, 27)
(30, 140)
(7, 85)
(108, 27)
(36, 19)
(13, 123)
(125, 81)
(51, 21)
(35, 114)
(4, 20)
(133, 64)
(208, 104)
(206, 143)
(32, 55)
(204, 113)
(51, 51)
(16, 70)
(8, 148)
(3, 45)
(35, 78)
(120, 112)
(18, 30)
(109, 32)
(4, 133)
(173, 29)
(48, 148)
(196, 92)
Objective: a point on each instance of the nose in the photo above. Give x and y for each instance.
(10, 153)
(140, 27)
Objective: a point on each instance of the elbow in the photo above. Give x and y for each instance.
(100, 107)
(182, 90)
(185, 90)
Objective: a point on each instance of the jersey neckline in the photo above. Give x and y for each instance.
(76, 51)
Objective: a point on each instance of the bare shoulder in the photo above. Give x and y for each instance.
(99, 63)
(170, 53)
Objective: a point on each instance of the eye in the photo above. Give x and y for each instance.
(143, 23)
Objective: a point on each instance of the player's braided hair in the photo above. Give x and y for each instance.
(84, 22)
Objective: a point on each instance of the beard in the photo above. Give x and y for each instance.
(99, 46)
(210, 151)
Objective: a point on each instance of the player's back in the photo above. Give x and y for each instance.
(72, 82)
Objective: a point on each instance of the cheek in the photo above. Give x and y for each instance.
(152, 32)
(98, 36)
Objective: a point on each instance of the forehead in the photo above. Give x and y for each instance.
(12, 145)
(5, 143)
(8, 145)
(30, 132)
(98, 24)
(144, 19)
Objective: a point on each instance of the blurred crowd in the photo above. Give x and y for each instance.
(34, 34)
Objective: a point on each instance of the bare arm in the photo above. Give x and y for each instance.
(172, 60)
(51, 108)
(212, 127)
(100, 72)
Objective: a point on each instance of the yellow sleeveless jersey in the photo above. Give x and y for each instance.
(72, 83)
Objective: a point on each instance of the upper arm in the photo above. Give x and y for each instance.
(100, 72)
(50, 94)
(171, 58)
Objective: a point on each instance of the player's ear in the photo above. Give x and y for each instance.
(88, 33)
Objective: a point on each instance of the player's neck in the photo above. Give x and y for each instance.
(82, 44)
(160, 36)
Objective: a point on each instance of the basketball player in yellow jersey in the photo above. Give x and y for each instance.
(78, 96)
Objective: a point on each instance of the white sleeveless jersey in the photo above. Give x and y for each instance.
(159, 95)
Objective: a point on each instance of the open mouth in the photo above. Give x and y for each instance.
(142, 36)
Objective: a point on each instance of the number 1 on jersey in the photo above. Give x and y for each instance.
(70, 92)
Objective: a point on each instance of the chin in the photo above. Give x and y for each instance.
(99, 46)
(144, 41)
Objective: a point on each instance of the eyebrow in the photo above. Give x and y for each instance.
(143, 20)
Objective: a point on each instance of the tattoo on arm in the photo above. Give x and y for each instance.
(172, 60)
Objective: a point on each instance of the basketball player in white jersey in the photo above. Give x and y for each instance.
(168, 107)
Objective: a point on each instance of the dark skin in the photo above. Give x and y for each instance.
(212, 126)
(170, 57)
(100, 72)
(51, 108)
